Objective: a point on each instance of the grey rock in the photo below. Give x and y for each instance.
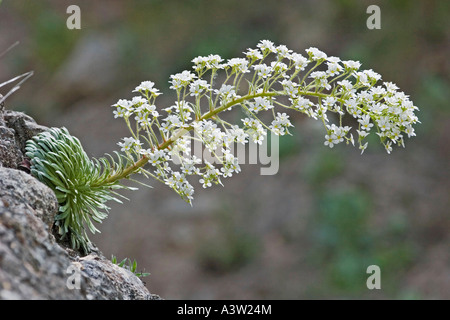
(33, 263)
(19, 189)
(23, 125)
(10, 153)
(15, 129)
(2, 104)
(105, 279)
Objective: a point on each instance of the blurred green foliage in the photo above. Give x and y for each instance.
(51, 43)
(231, 248)
(344, 241)
(322, 166)
(129, 265)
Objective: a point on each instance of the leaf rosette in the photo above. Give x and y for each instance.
(59, 161)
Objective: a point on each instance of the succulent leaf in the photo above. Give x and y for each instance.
(59, 161)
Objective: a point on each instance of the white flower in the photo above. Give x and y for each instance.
(333, 66)
(352, 108)
(365, 122)
(364, 97)
(352, 141)
(197, 87)
(230, 165)
(123, 103)
(129, 144)
(205, 182)
(315, 54)
(238, 65)
(333, 69)
(395, 135)
(317, 75)
(165, 126)
(226, 93)
(260, 104)
(123, 108)
(337, 132)
(279, 68)
(410, 131)
(390, 87)
(237, 134)
(188, 167)
(301, 103)
(211, 174)
(263, 70)
(182, 107)
(329, 102)
(377, 91)
(277, 82)
(256, 131)
(290, 87)
(378, 108)
(330, 140)
(258, 138)
(266, 46)
(282, 51)
(280, 124)
(181, 80)
(277, 129)
(155, 157)
(253, 54)
(363, 147)
(362, 134)
(142, 119)
(346, 85)
(372, 75)
(213, 61)
(147, 86)
(300, 62)
(362, 78)
(351, 65)
(388, 147)
(383, 124)
(333, 60)
(137, 101)
(173, 121)
(209, 62)
(283, 119)
(382, 134)
(321, 78)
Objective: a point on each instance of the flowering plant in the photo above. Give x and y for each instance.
(269, 77)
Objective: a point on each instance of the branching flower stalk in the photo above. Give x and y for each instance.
(269, 77)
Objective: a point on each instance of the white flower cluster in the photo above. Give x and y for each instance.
(322, 87)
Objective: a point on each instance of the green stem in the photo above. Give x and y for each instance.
(127, 171)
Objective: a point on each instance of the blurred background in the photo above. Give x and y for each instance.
(309, 232)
